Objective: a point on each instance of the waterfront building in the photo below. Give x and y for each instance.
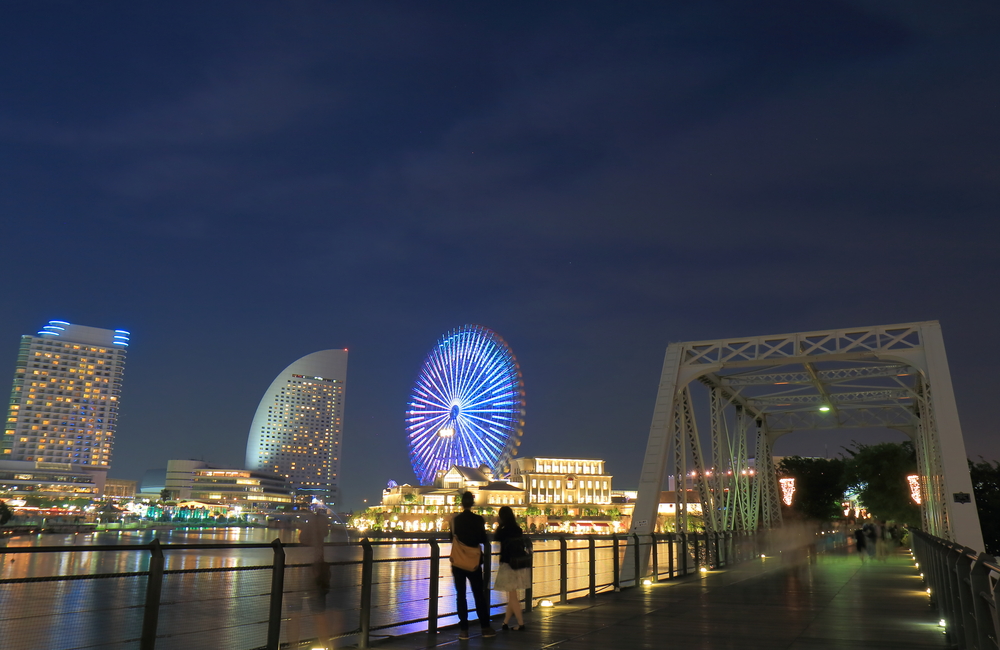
(212, 484)
(153, 482)
(119, 487)
(23, 478)
(65, 399)
(297, 431)
(566, 494)
(568, 482)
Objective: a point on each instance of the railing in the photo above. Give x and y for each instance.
(191, 596)
(964, 585)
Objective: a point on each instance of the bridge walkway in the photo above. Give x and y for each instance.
(834, 601)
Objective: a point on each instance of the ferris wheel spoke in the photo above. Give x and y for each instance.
(472, 368)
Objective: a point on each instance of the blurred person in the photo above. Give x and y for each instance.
(468, 532)
(871, 531)
(515, 566)
(312, 534)
(859, 543)
(881, 537)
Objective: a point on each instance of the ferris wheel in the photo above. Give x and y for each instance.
(467, 405)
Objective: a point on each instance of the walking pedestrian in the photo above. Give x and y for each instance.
(859, 543)
(515, 566)
(468, 536)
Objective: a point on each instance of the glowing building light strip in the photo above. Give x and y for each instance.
(787, 490)
(914, 482)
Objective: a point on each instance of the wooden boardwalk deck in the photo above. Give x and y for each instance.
(835, 602)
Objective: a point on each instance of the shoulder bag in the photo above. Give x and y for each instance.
(464, 557)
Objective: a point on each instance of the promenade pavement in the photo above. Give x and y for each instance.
(834, 602)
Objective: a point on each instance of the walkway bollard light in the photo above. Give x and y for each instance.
(942, 623)
(703, 570)
(928, 591)
(545, 602)
(646, 582)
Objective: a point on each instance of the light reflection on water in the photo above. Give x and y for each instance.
(228, 609)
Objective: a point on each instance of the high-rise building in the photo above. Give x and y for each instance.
(65, 400)
(298, 427)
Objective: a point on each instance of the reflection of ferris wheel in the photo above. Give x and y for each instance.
(467, 405)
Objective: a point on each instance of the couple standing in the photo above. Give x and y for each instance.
(468, 533)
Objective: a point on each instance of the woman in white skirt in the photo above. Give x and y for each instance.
(509, 580)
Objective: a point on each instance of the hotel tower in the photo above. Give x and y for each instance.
(298, 427)
(65, 400)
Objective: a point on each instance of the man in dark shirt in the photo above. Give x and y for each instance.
(470, 529)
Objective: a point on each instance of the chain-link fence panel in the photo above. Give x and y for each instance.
(102, 612)
(217, 609)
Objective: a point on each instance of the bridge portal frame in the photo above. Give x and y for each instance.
(893, 376)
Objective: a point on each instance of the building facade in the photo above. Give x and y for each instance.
(119, 488)
(200, 481)
(297, 431)
(568, 482)
(22, 478)
(554, 494)
(65, 399)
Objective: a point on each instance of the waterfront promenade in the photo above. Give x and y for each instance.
(835, 602)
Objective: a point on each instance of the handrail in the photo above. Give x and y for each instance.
(617, 566)
(965, 587)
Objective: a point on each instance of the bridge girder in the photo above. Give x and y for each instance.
(761, 388)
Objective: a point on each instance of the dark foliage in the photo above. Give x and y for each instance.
(986, 485)
(878, 474)
(819, 485)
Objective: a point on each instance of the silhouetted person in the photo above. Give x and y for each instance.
(510, 579)
(859, 543)
(470, 529)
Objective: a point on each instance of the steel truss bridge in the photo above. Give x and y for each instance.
(761, 388)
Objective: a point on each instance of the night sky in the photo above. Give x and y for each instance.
(242, 184)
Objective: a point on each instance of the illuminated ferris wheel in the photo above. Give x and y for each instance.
(467, 405)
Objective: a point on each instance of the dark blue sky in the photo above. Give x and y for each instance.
(242, 184)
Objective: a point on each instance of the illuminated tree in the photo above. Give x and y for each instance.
(819, 485)
(878, 474)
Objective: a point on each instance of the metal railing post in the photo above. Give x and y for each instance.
(487, 569)
(684, 553)
(671, 542)
(432, 587)
(635, 560)
(154, 587)
(616, 576)
(656, 557)
(592, 558)
(979, 586)
(563, 571)
(527, 592)
(367, 560)
(277, 590)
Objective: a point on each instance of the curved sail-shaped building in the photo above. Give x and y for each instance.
(298, 428)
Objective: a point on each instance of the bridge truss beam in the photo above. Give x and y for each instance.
(761, 388)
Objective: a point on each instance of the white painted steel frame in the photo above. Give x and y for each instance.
(761, 388)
